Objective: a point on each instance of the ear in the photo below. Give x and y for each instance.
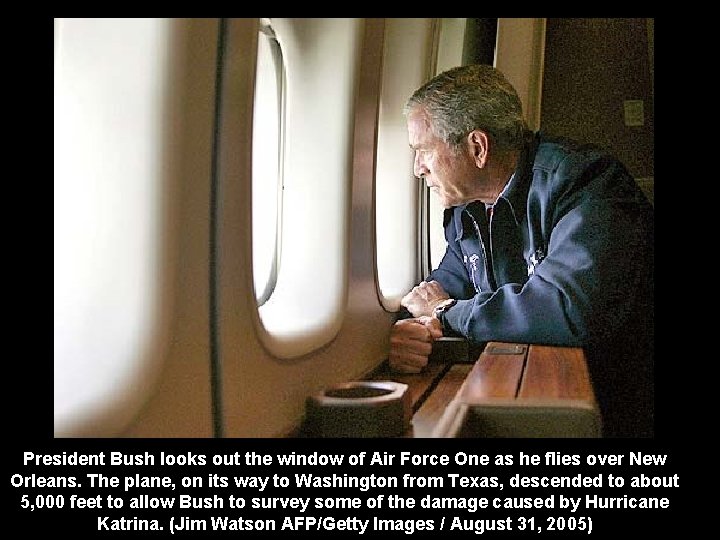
(479, 145)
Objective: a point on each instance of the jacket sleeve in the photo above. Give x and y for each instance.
(598, 259)
(451, 272)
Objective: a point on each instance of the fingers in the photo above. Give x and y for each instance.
(435, 291)
(406, 300)
(423, 298)
(432, 325)
(416, 329)
(427, 290)
(423, 290)
(410, 346)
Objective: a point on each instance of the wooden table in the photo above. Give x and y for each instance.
(508, 390)
(511, 390)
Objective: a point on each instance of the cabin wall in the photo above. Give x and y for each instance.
(598, 86)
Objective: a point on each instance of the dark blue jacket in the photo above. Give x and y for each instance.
(567, 259)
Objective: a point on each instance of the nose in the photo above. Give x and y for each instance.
(419, 168)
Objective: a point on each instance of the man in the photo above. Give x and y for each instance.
(549, 242)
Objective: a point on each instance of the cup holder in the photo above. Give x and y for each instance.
(359, 409)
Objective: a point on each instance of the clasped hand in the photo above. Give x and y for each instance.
(423, 298)
(411, 339)
(411, 343)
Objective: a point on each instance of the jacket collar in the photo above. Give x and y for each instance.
(515, 193)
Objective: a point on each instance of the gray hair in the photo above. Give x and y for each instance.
(466, 98)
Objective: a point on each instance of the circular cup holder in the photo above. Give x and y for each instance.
(360, 409)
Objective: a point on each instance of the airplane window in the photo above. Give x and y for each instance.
(415, 49)
(320, 62)
(266, 172)
(397, 191)
(450, 48)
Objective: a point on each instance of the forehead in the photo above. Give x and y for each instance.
(420, 133)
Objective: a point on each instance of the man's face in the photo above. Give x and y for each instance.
(453, 177)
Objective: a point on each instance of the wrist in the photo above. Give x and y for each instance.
(441, 308)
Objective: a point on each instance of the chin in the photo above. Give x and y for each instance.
(448, 203)
(442, 201)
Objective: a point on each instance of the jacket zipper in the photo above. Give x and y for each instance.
(488, 272)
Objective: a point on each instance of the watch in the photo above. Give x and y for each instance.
(442, 308)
